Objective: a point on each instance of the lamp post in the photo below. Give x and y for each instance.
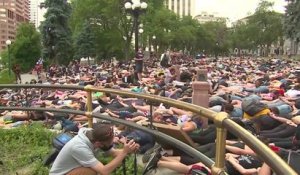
(141, 31)
(217, 50)
(154, 42)
(136, 8)
(8, 43)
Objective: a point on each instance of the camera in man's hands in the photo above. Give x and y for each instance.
(135, 139)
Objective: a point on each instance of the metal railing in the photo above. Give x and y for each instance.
(221, 121)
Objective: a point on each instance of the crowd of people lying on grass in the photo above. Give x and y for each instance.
(261, 95)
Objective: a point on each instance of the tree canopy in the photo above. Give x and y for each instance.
(263, 28)
(292, 20)
(56, 32)
(26, 49)
(104, 29)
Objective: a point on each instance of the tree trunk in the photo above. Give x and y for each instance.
(296, 47)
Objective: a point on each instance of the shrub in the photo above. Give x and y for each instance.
(24, 149)
(5, 78)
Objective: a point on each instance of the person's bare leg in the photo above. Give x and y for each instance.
(23, 116)
(265, 170)
(171, 159)
(80, 118)
(138, 118)
(175, 166)
(179, 111)
(141, 108)
(140, 76)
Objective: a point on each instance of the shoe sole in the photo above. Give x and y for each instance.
(147, 155)
(149, 168)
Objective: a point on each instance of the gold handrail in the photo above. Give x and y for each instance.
(220, 119)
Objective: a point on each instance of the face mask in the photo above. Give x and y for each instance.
(106, 148)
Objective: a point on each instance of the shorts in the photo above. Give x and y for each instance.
(198, 168)
(138, 66)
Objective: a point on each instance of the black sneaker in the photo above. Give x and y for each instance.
(148, 153)
(152, 164)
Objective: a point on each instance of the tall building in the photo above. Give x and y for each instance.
(37, 12)
(12, 13)
(182, 7)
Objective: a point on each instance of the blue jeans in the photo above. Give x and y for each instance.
(274, 104)
(254, 97)
(236, 113)
(235, 97)
(284, 110)
(260, 89)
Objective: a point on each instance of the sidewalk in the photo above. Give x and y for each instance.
(28, 77)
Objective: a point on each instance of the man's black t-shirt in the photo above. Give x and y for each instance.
(245, 161)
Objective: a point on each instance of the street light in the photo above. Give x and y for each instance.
(8, 43)
(154, 43)
(136, 8)
(141, 31)
(217, 50)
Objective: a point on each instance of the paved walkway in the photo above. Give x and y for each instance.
(28, 77)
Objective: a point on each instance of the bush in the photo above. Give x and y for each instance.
(5, 78)
(23, 149)
(129, 164)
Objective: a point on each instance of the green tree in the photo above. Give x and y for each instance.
(85, 43)
(113, 31)
(56, 33)
(263, 28)
(242, 36)
(184, 34)
(109, 24)
(26, 49)
(266, 23)
(218, 33)
(292, 20)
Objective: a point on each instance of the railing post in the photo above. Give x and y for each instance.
(218, 167)
(201, 93)
(151, 116)
(89, 105)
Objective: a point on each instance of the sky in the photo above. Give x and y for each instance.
(234, 9)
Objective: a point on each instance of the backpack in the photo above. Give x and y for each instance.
(164, 61)
(252, 106)
(58, 143)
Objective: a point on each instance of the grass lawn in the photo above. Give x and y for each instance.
(23, 149)
(5, 78)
